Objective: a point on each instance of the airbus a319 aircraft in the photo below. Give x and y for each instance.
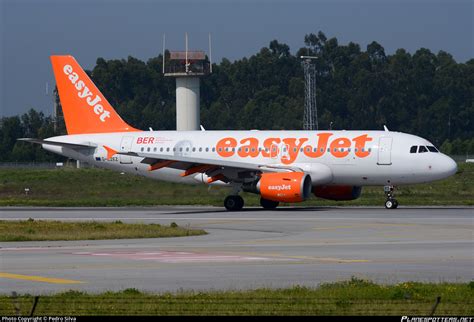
(280, 166)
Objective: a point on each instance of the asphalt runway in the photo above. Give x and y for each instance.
(243, 250)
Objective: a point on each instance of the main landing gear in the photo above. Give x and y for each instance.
(233, 203)
(391, 202)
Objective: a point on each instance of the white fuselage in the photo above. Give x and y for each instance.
(350, 156)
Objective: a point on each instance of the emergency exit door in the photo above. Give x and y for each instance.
(385, 151)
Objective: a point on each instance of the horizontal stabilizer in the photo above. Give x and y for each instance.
(63, 144)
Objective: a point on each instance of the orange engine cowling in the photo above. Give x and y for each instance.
(285, 186)
(337, 192)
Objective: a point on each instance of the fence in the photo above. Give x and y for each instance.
(43, 165)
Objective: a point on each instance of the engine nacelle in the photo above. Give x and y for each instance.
(337, 192)
(285, 186)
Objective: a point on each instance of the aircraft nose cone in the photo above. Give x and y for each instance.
(448, 167)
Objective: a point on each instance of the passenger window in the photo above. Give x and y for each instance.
(422, 149)
(154, 149)
(207, 149)
(148, 149)
(142, 149)
(200, 149)
(213, 149)
(413, 149)
(432, 149)
(194, 149)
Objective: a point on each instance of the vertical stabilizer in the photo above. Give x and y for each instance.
(85, 109)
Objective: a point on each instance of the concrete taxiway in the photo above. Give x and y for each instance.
(247, 249)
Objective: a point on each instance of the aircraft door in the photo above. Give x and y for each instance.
(126, 146)
(385, 151)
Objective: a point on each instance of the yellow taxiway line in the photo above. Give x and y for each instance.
(39, 279)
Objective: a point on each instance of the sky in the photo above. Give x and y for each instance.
(32, 30)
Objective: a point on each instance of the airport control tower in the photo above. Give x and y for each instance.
(187, 67)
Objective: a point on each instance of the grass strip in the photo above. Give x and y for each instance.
(70, 187)
(41, 230)
(353, 297)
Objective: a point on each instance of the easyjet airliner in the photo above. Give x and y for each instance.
(280, 166)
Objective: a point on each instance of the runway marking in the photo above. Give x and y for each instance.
(39, 279)
(331, 259)
(322, 259)
(177, 257)
(369, 225)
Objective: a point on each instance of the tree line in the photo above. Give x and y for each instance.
(424, 93)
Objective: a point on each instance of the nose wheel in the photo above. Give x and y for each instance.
(233, 203)
(391, 202)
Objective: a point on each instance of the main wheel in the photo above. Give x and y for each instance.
(233, 203)
(268, 204)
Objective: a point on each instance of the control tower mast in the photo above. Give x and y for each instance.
(187, 67)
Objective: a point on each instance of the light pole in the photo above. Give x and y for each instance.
(310, 117)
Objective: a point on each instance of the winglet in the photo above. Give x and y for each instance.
(110, 152)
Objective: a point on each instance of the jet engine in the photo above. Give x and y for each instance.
(282, 186)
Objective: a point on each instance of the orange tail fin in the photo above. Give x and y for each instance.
(85, 109)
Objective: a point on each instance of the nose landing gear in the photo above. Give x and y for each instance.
(391, 202)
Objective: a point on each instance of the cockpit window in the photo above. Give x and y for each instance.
(432, 149)
(422, 149)
(413, 149)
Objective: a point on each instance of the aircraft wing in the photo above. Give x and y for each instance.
(225, 169)
(187, 159)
